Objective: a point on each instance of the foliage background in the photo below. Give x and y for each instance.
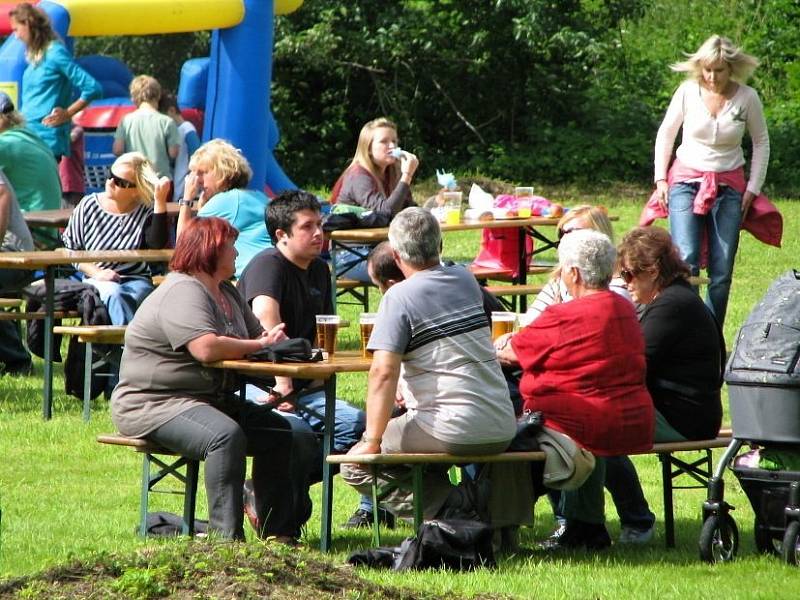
(539, 91)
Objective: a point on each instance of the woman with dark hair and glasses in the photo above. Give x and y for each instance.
(684, 347)
(130, 214)
(168, 396)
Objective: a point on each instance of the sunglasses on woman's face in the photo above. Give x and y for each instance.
(629, 275)
(122, 183)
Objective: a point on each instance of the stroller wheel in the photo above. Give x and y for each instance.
(791, 551)
(719, 539)
(765, 542)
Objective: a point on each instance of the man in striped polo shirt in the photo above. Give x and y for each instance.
(432, 348)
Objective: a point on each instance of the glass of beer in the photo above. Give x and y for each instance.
(327, 329)
(502, 323)
(366, 322)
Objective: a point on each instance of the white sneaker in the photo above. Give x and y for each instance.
(634, 535)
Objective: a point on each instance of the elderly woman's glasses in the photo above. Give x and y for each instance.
(122, 183)
(628, 275)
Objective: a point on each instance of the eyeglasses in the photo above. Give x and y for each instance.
(563, 232)
(628, 275)
(120, 182)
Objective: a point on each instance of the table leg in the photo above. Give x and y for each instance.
(522, 268)
(327, 476)
(47, 395)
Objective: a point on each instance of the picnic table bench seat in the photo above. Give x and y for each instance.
(672, 467)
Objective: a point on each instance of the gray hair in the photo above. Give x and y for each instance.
(592, 253)
(415, 235)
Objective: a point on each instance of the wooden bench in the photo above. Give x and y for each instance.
(90, 335)
(11, 303)
(36, 316)
(357, 289)
(672, 467)
(154, 470)
(514, 291)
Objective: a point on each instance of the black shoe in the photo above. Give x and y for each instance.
(363, 518)
(19, 370)
(580, 535)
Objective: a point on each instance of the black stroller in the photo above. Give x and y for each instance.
(763, 379)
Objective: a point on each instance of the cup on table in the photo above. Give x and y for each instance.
(502, 323)
(452, 208)
(327, 330)
(366, 322)
(524, 196)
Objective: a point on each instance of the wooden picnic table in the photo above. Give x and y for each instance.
(49, 260)
(340, 362)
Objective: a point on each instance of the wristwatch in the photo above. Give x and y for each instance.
(185, 202)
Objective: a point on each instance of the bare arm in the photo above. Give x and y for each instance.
(190, 191)
(173, 151)
(211, 347)
(119, 147)
(268, 312)
(381, 395)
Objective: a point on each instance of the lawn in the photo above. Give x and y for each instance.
(63, 495)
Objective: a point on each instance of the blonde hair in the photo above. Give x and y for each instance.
(144, 175)
(714, 49)
(363, 156)
(225, 160)
(41, 30)
(145, 88)
(595, 217)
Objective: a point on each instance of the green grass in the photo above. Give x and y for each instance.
(63, 495)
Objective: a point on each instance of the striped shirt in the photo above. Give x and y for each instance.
(91, 227)
(451, 381)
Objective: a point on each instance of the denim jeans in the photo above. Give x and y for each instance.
(223, 440)
(12, 353)
(122, 298)
(352, 264)
(721, 228)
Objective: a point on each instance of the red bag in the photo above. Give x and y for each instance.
(499, 249)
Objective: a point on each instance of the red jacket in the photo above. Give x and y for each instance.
(584, 368)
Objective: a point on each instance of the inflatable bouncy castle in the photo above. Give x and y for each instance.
(228, 93)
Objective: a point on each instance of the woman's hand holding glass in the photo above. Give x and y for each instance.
(408, 165)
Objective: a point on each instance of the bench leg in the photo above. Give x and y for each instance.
(376, 522)
(416, 474)
(144, 495)
(327, 476)
(666, 485)
(87, 381)
(190, 496)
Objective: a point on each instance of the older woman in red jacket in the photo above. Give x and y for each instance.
(584, 369)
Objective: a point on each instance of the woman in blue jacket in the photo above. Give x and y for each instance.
(48, 80)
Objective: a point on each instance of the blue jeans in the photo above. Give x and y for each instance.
(352, 264)
(122, 298)
(720, 226)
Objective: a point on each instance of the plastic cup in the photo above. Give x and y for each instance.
(452, 208)
(366, 322)
(524, 196)
(327, 330)
(502, 323)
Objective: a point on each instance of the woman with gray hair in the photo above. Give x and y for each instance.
(584, 368)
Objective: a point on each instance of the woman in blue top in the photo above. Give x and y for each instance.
(217, 182)
(49, 78)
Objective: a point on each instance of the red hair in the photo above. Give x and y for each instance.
(198, 248)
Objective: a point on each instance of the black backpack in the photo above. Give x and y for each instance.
(457, 544)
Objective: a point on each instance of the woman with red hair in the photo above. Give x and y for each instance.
(168, 396)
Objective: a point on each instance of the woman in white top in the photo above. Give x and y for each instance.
(705, 190)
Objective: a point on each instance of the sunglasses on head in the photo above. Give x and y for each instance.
(563, 232)
(120, 182)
